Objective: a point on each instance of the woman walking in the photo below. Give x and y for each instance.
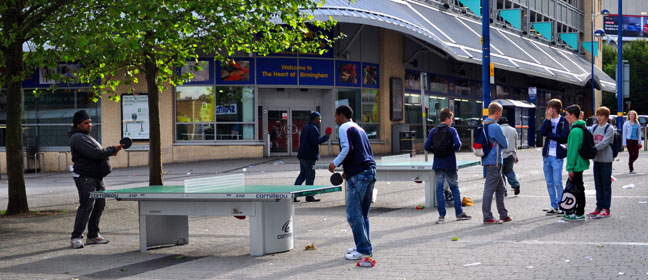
(632, 138)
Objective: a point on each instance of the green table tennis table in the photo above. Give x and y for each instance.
(401, 168)
(164, 211)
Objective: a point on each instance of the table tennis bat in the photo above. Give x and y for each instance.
(126, 142)
(336, 179)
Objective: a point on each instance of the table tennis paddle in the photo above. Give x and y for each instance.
(329, 130)
(336, 179)
(126, 142)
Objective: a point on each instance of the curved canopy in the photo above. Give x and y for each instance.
(460, 35)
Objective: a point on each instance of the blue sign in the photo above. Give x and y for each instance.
(42, 77)
(316, 72)
(347, 73)
(205, 76)
(229, 109)
(236, 72)
(370, 77)
(276, 71)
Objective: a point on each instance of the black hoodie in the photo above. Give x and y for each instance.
(90, 159)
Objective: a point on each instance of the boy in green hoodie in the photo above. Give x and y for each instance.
(575, 163)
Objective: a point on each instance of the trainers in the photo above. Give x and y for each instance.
(603, 214)
(594, 213)
(350, 250)
(574, 217)
(77, 243)
(552, 212)
(463, 216)
(440, 220)
(507, 219)
(97, 240)
(355, 255)
(492, 221)
(516, 190)
(561, 212)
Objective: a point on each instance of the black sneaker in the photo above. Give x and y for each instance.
(516, 190)
(552, 212)
(463, 217)
(448, 195)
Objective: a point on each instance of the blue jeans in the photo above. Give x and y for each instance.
(451, 176)
(553, 176)
(359, 194)
(603, 184)
(507, 171)
(306, 172)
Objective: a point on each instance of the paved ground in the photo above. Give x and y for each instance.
(408, 244)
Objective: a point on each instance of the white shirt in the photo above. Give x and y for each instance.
(552, 143)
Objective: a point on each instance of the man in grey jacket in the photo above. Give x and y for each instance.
(509, 155)
(603, 134)
(90, 167)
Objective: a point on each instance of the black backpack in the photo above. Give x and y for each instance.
(615, 142)
(568, 202)
(587, 149)
(442, 142)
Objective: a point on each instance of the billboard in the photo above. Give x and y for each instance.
(633, 26)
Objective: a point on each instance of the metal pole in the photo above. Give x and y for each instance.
(486, 92)
(423, 79)
(620, 68)
(592, 56)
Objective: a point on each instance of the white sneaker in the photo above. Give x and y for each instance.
(355, 255)
(351, 250)
(97, 240)
(76, 243)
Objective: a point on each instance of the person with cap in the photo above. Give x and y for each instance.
(509, 155)
(308, 154)
(91, 165)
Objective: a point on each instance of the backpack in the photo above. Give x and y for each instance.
(615, 143)
(568, 202)
(587, 149)
(442, 142)
(482, 145)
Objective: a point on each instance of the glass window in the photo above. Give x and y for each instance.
(365, 108)
(413, 114)
(195, 113)
(436, 104)
(235, 113)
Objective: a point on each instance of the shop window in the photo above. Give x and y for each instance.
(436, 104)
(206, 113)
(413, 114)
(365, 108)
(47, 119)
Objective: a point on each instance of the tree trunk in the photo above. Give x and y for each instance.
(155, 144)
(15, 166)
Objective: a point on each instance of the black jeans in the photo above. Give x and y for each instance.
(577, 180)
(90, 209)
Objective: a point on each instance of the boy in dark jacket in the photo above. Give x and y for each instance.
(308, 154)
(90, 166)
(445, 168)
(555, 129)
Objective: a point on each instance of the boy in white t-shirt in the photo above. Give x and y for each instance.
(555, 129)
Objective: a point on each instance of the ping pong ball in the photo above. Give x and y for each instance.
(244, 169)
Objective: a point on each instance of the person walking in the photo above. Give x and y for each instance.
(308, 153)
(603, 134)
(632, 138)
(91, 165)
(359, 167)
(575, 163)
(510, 154)
(555, 129)
(492, 162)
(443, 141)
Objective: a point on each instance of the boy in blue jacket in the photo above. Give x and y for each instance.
(308, 154)
(555, 129)
(492, 162)
(445, 167)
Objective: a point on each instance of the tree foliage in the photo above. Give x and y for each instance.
(636, 53)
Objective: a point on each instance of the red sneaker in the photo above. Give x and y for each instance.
(507, 219)
(594, 214)
(603, 214)
(492, 221)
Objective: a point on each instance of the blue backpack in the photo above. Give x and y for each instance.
(482, 145)
(615, 142)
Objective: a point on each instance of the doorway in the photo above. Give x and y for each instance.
(284, 127)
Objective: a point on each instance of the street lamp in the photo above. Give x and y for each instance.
(598, 33)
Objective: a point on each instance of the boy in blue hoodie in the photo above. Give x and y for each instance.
(555, 129)
(492, 162)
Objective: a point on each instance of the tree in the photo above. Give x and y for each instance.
(154, 37)
(636, 52)
(22, 23)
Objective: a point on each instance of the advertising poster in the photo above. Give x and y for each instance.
(203, 76)
(347, 73)
(396, 98)
(236, 71)
(438, 84)
(370, 75)
(633, 26)
(67, 70)
(135, 116)
(412, 81)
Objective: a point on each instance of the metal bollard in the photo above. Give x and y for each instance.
(645, 140)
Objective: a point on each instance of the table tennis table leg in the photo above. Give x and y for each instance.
(271, 229)
(430, 190)
(160, 230)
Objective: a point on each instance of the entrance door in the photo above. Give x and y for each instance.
(284, 128)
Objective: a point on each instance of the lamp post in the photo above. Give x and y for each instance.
(620, 68)
(598, 33)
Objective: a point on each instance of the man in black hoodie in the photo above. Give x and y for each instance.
(90, 167)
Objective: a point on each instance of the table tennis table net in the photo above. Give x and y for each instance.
(214, 183)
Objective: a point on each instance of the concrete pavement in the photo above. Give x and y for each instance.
(407, 242)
